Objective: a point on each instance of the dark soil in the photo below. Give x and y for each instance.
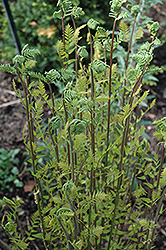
(13, 120)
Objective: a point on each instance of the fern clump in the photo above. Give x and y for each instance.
(99, 186)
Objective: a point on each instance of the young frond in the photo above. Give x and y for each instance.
(55, 122)
(67, 7)
(115, 7)
(99, 66)
(60, 49)
(30, 54)
(78, 126)
(42, 90)
(69, 33)
(53, 75)
(123, 27)
(139, 34)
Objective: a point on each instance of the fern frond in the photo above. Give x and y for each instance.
(30, 54)
(55, 122)
(69, 95)
(38, 75)
(99, 66)
(60, 50)
(34, 218)
(92, 24)
(7, 68)
(52, 75)
(123, 27)
(69, 32)
(139, 34)
(70, 39)
(67, 7)
(18, 60)
(41, 87)
(77, 12)
(78, 126)
(67, 75)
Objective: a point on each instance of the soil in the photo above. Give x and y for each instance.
(13, 120)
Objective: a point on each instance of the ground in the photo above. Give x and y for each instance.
(13, 120)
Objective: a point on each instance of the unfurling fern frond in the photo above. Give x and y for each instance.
(30, 54)
(7, 68)
(77, 12)
(142, 59)
(55, 122)
(82, 52)
(18, 60)
(135, 10)
(92, 24)
(67, 75)
(115, 7)
(69, 95)
(10, 227)
(67, 7)
(52, 76)
(99, 66)
(78, 126)
(101, 32)
(133, 74)
(153, 27)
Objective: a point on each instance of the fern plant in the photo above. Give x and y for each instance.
(100, 188)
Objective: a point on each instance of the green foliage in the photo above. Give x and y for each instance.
(98, 187)
(8, 170)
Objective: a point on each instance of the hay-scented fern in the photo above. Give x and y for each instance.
(100, 188)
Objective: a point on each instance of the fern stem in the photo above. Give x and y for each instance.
(72, 155)
(76, 226)
(76, 49)
(160, 169)
(63, 34)
(18, 221)
(127, 60)
(65, 232)
(110, 84)
(33, 156)
(92, 132)
(80, 169)
(70, 144)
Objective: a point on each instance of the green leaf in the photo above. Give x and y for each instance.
(15, 171)
(18, 183)
(97, 231)
(39, 235)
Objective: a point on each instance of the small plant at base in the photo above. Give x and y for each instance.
(8, 170)
(85, 193)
